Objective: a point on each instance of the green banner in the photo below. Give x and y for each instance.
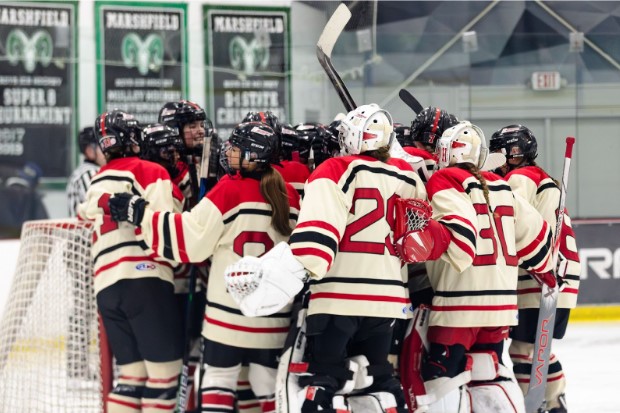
(141, 56)
(37, 85)
(247, 52)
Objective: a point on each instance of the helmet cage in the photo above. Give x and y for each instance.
(463, 143)
(366, 128)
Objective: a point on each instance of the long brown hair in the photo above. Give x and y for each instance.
(382, 154)
(476, 173)
(273, 189)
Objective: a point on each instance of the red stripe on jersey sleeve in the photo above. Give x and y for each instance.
(301, 252)
(178, 223)
(540, 239)
(463, 246)
(320, 224)
(463, 220)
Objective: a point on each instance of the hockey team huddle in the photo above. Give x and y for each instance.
(360, 266)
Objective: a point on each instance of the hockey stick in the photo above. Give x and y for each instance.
(535, 397)
(183, 391)
(324, 48)
(410, 101)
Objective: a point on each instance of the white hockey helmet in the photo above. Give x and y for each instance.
(367, 128)
(462, 143)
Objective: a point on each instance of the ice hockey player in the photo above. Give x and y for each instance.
(320, 142)
(134, 290)
(479, 232)
(343, 240)
(246, 213)
(193, 125)
(425, 131)
(530, 181)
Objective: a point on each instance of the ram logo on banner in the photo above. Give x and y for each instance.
(248, 63)
(145, 55)
(37, 86)
(142, 56)
(30, 50)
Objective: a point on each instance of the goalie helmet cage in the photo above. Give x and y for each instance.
(52, 357)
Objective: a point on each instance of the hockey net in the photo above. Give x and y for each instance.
(50, 356)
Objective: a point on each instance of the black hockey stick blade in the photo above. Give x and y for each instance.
(324, 48)
(410, 101)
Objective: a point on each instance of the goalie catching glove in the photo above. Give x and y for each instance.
(418, 237)
(125, 207)
(263, 286)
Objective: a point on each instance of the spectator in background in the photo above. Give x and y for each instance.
(20, 201)
(79, 181)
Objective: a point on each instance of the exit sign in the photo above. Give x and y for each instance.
(546, 80)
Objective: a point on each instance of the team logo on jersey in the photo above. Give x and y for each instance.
(145, 55)
(38, 48)
(145, 266)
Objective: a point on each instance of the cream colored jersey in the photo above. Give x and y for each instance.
(232, 221)
(475, 280)
(539, 189)
(118, 249)
(344, 236)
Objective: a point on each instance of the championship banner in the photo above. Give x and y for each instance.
(37, 85)
(248, 63)
(141, 56)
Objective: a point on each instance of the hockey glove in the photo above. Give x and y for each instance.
(125, 207)
(547, 278)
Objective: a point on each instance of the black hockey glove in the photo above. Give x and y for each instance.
(125, 207)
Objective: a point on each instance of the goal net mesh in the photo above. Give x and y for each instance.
(49, 341)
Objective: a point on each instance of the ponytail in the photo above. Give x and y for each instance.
(476, 173)
(273, 189)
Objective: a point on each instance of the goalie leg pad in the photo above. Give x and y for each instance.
(445, 394)
(263, 382)
(378, 402)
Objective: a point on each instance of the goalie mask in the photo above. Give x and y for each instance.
(367, 128)
(116, 131)
(430, 124)
(257, 143)
(462, 143)
(510, 136)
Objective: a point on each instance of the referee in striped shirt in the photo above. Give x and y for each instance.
(79, 181)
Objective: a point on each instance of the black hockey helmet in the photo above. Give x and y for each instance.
(116, 130)
(266, 117)
(87, 137)
(178, 114)
(403, 134)
(160, 143)
(430, 124)
(257, 141)
(312, 135)
(290, 142)
(515, 135)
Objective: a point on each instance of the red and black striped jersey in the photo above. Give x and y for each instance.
(344, 236)
(294, 173)
(541, 191)
(118, 250)
(232, 221)
(475, 280)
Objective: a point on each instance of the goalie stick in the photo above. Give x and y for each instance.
(535, 397)
(183, 390)
(324, 48)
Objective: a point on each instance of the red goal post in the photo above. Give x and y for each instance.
(54, 355)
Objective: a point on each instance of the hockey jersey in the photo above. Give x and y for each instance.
(233, 220)
(344, 236)
(118, 250)
(475, 279)
(430, 161)
(294, 173)
(541, 191)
